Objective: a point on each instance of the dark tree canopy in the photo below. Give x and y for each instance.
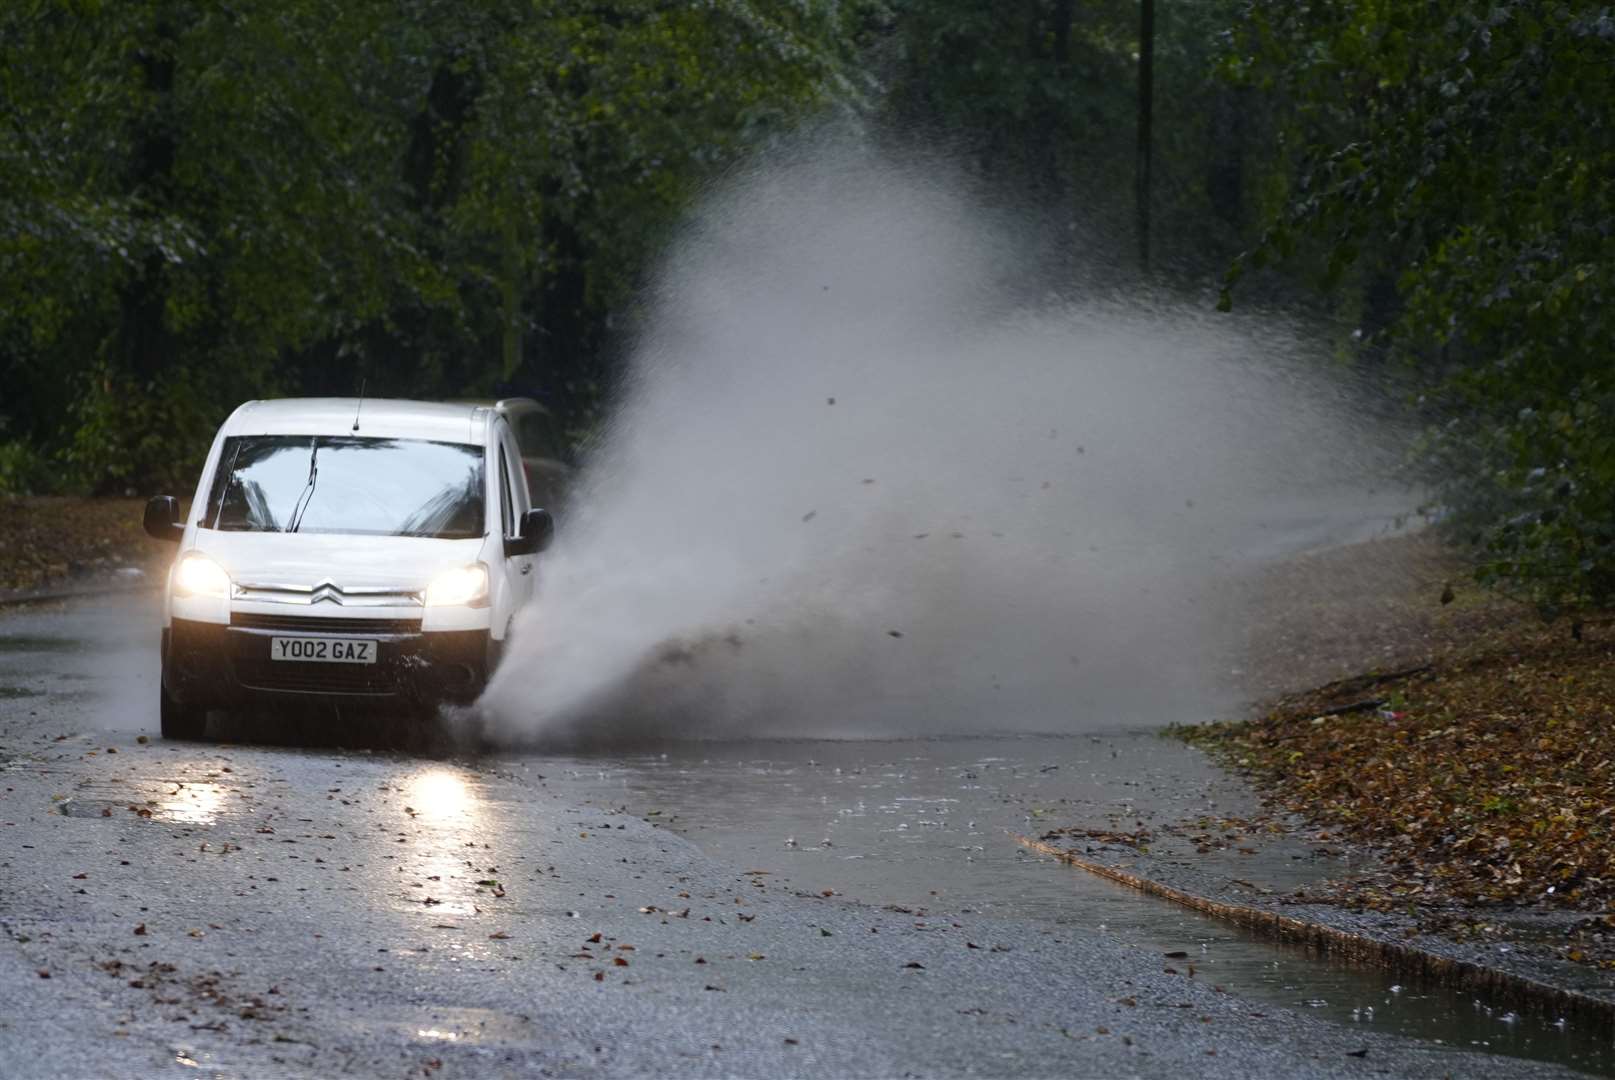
(204, 202)
(207, 202)
(1464, 152)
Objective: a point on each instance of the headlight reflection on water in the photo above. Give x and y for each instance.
(448, 816)
(192, 804)
(439, 795)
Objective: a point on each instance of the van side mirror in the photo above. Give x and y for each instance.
(162, 519)
(537, 530)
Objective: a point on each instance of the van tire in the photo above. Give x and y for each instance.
(180, 721)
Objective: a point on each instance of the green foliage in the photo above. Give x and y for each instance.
(128, 432)
(1466, 150)
(203, 203)
(24, 471)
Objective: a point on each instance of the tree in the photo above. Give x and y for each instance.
(204, 203)
(1466, 151)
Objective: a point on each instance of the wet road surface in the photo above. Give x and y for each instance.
(923, 824)
(813, 909)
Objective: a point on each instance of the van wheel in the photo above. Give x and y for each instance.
(181, 721)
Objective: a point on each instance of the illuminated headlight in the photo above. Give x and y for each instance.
(464, 586)
(198, 575)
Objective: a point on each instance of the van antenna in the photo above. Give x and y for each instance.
(359, 406)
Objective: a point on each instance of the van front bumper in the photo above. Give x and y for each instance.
(214, 666)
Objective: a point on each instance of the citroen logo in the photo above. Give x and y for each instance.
(326, 591)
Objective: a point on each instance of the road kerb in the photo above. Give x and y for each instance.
(1400, 957)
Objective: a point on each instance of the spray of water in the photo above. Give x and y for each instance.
(858, 485)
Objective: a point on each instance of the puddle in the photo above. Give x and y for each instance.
(89, 808)
(464, 1027)
(183, 803)
(926, 823)
(449, 1026)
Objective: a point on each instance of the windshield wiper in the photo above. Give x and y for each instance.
(234, 480)
(308, 492)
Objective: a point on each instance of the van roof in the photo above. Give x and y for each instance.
(378, 418)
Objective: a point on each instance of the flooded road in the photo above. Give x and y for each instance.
(926, 824)
(781, 908)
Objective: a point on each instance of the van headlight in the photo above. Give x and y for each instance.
(198, 575)
(464, 586)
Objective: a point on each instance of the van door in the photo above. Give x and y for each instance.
(513, 503)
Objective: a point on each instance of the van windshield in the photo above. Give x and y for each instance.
(331, 484)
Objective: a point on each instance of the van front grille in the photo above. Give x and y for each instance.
(317, 624)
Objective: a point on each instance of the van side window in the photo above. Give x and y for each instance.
(504, 495)
(519, 495)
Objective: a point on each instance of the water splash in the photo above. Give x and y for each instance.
(863, 481)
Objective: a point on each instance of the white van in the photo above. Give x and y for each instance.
(345, 551)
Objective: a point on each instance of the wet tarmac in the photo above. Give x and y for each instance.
(781, 908)
(926, 824)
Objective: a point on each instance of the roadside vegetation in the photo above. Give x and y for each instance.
(49, 540)
(1473, 747)
(1488, 774)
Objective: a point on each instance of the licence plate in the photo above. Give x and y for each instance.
(323, 650)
